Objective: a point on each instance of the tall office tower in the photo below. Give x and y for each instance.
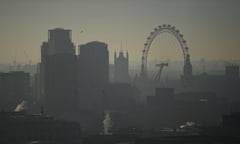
(14, 88)
(59, 42)
(59, 74)
(93, 75)
(121, 68)
(93, 64)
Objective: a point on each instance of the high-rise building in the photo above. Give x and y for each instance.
(20, 127)
(93, 64)
(121, 68)
(93, 74)
(59, 74)
(59, 42)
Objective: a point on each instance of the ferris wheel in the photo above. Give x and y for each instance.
(187, 69)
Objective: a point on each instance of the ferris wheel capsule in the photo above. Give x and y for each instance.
(169, 25)
(164, 25)
(160, 27)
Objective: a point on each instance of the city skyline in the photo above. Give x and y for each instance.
(129, 71)
(210, 27)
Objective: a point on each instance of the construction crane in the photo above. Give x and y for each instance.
(161, 66)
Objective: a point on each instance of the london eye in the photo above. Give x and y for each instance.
(187, 69)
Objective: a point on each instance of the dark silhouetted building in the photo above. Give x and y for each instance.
(121, 68)
(36, 87)
(231, 121)
(93, 77)
(163, 96)
(93, 64)
(59, 42)
(93, 73)
(120, 97)
(186, 78)
(232, 71)
(187, 69)
(22, 128)
(231, 124)
(225, 86)
(14, 88)
(59, 74)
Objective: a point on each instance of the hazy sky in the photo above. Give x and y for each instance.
(211, 27)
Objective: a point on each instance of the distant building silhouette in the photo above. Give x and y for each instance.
(93, 72)
(121, 68)
(187, 69)
(37, 86)
(93, 64)
(22, 128)
(162, 96)
(186, 78)
(232, 121)
(224, 85)
(232, 71)
(93, 77)
(14, 88)
(59, 74)
(59, 42)
(120, 97)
